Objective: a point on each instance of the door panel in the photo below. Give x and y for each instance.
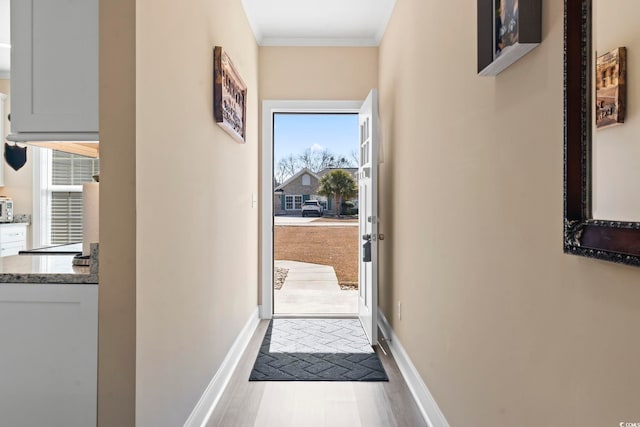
(368, 216)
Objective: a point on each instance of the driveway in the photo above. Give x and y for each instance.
(311, 222)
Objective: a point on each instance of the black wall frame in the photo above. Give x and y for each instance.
(529, 35)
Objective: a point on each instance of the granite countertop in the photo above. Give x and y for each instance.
(18, 219)
(47, 269)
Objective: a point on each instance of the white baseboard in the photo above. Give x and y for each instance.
(427, 404)
(207, 403)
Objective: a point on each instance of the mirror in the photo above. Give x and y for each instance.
(602, 179)
(616, 123)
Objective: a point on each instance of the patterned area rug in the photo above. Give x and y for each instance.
(316, 350)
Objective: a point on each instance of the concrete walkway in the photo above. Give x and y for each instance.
(312, 289)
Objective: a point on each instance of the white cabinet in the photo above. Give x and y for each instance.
(54, 70)
(13, 238)
(48, 362)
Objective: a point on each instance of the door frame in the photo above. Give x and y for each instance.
(269, 108)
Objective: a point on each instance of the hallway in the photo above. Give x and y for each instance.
(309, 404)
(498, 325)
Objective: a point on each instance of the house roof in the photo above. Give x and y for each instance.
(296, 175)
(325, 171)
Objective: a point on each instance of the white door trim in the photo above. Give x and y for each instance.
(270, 107)
(41, 224)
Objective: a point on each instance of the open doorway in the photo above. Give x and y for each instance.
(367, 230)
(315, 213)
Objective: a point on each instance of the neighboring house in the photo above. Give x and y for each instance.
(289, 196)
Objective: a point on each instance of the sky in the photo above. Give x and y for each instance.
(294, 133)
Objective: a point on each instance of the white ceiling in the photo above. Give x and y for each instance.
(318, 22)
(286, 23)
(5, 39)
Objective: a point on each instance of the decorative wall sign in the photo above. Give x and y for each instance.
(507, 30)
(611, 87)
(15, 155)
(229, 96)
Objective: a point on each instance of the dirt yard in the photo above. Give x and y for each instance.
(334, 246)
(333, 219)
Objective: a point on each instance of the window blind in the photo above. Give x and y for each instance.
(66, 217)
(66, 206)
(71, 169)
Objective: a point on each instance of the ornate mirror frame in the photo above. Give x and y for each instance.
(605, 239)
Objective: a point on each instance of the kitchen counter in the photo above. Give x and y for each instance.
(39, 268)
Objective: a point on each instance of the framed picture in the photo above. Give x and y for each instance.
(611, 88)
(507, 30)
(229, 96)
(505, 21)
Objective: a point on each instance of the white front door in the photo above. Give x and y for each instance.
(368, 216)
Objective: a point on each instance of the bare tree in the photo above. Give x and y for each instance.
(327, 159)
(314, 160)
(286, 168)
(319, 160)
(354, 157)
(342, 162)
(310, 159)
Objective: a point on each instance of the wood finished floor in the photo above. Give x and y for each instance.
(311, 404)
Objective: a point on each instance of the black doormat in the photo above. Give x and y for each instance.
(278, 365)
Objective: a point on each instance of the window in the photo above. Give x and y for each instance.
(292, 203)
(59, 196)
(306, 180)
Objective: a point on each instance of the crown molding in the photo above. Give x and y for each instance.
(252, 23)
(385, 23)
(318, 42)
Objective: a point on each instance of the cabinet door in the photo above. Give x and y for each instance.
(54, 66)
(13, 233)
(12, 249)
(13, 239)
(48, 362)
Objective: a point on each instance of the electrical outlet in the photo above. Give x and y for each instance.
(399, 310)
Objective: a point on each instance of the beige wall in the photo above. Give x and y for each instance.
(616, 149)
(197, 245)
(504, 328)
(117, 290)
(318, 73)
(17, 184)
